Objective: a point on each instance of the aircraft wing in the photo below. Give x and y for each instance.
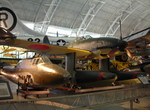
(140, 41)
(45, 48)
(140, 46)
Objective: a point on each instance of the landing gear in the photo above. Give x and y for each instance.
(22, 85)
(72, 86)
(24, 82)
(24, 88)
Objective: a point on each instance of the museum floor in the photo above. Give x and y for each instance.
(46, 105)
(143, 105)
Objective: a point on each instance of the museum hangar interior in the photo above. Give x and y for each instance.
(116, 37)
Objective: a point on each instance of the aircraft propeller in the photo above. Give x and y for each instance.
(7, 51)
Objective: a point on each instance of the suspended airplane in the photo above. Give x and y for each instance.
(141, 45)
(49, 50)
(95, 48)
(100, 47)
(7, 38)
(136, 48)
(139, 50)
(103, 47)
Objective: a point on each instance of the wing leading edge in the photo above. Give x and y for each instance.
(45, 48)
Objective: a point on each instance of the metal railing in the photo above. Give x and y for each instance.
(87, 99)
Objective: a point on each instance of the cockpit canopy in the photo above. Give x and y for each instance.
(35, 61)
(41, 59)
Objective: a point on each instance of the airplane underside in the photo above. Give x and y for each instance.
(25, 79)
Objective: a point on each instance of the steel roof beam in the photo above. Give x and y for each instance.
(37, 24)
(123, 15)
(145, 14)
(94, 7)
(42, 27)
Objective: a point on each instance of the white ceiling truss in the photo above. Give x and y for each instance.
(84, 17)
(43, 26)
(123, 15)
(139, 21)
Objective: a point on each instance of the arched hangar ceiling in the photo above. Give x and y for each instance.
(97, 16)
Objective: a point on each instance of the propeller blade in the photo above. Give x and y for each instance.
(9, 55)
(8, 50)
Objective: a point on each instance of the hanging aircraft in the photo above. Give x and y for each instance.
(36, 72)
(94, 48)
(139, 46)
(97, 77)
(25, 74)
(103, 47)
(139, 50)
(27, 66)
(99, 47)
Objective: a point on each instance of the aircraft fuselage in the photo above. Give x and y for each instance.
(37, 73)
(92, 44)
(102, 47)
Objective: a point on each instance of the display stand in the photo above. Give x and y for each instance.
(5, 91)
(26, 91)
(144, 80)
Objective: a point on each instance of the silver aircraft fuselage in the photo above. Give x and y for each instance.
(37, 72)
(102, 47)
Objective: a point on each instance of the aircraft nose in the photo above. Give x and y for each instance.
(65, 76)
(53, 75)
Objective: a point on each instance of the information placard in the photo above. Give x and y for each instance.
(144, 80)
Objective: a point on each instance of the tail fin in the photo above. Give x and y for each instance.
(10, 21)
